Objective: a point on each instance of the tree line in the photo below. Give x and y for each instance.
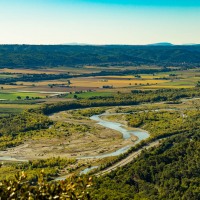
(133, 98)
(43, 76)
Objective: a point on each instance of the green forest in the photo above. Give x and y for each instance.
(170, 171)
(34, 56)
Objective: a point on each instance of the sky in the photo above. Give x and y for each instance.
(99, 21)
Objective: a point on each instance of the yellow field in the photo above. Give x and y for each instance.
(11, 86)
(97, 82)
(183, 79)
(115, 81)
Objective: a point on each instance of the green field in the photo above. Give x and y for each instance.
(7, 109)
(14, 95)
(87, 95)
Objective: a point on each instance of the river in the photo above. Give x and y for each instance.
(140, 134)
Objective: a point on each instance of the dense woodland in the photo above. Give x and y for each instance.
(160, 123)
(14, 128)
(170, 171)
(33, 56)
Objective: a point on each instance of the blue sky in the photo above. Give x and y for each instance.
(175, 3)
(99, 21)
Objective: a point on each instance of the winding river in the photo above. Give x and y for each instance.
(140, 134)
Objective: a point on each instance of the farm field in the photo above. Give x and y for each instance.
(19, 95)
(177, 84)
(182, 79)
(86, 87)
(162, 79)
(115, 82)
(93, 86)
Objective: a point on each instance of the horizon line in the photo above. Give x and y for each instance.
(108, 44)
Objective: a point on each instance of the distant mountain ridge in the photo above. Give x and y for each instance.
(170, 44)
(161, 44)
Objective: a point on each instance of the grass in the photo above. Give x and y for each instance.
(87, 95)
(179, 83)
(10, 110)
(14, 95)
(6, 109)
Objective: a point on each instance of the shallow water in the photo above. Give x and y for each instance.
(140, 134)
(85, 171)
